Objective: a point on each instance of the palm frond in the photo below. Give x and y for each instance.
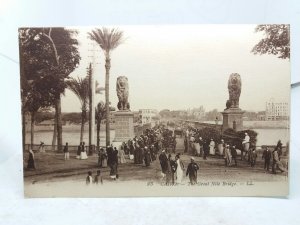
(80, 87)
(107, 39)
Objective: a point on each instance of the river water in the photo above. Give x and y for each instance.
(264, 137)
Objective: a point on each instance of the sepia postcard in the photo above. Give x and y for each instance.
(165, 110)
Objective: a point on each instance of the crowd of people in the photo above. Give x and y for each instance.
(200, 147)
(159, 142)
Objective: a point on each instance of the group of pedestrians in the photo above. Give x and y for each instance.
(81, 151)
(97, 179)
(173, 169)
(198, 146)
(275, 156)
(144, 149)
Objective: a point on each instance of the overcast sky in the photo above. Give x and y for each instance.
(181, 67)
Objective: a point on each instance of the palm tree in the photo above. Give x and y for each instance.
(108, 40)
(99, 114)
(80, 87)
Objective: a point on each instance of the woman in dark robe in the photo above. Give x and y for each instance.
(163, 159)
(114, 164)
(152, 153)
(100, 156)
(31, 164)
(136, 154)
(279, 148)
(78, 151)
(141, 156)
(147, 157)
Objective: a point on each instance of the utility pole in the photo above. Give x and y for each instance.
(91, 110)
(92, 92)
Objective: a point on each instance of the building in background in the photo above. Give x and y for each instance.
(149, 116)
(277, 110)
(196, 113)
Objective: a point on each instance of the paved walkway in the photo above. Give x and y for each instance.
(52, 167)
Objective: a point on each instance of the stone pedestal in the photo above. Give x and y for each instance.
(124, 128)
(233, 118)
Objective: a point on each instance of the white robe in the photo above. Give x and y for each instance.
(179, 172)
(212, 148)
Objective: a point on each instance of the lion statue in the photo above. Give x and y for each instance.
(122, 93)
(234, 89)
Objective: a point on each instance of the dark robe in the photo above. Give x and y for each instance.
(147, 158)
(109, 152)
(171, 170)
(31, 164)
(163, 162)
(192, 171)
(78, 149)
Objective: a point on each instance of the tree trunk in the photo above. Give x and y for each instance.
(54, 133)
(32, 129)
(107, 68)
(83, 115)
(98, 134)
(59, 123)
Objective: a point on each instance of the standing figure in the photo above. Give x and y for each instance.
(152, 153)
(142, 154)
(98, 178)
(66, 151)
(171, 170)
(221, 147)
(104, 159)
(201, 142)
(89, 178)
(267, 155)
(163, 163)
(227, 156)
(147, 157)
(131, 149)
(83, 154)
(100, 152)
(279, 149)
(253, 156)
(192, 171)
(122, 156)
(114, 164)
(276, 163)
(185, 145)
(78, 151)
(212, 147)
(197, 146)
(180, 168)
(246, 145)
(174, 144)
(31, 163)
(205, 149)
(41, 148)
(233, 155)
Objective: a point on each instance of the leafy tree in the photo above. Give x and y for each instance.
(108, 40)
(165, 113)
(73, 117)
(33, 104)
(48, 56)
(276, 41)
(236, 137)
(80, 87)
(208, 133)
(44, 115)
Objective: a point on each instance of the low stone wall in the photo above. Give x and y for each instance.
(72, 148)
